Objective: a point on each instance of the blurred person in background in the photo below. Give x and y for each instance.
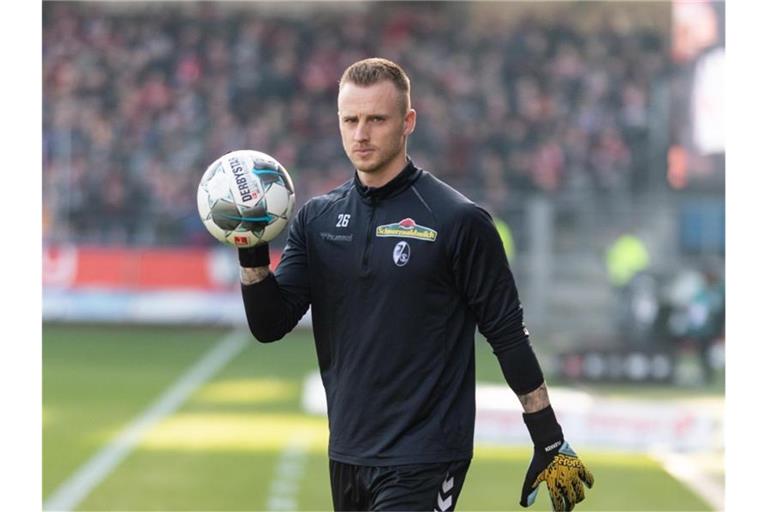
(706, 320)
(505, 233)
(626, 260)
(690, 321)
(400, 269)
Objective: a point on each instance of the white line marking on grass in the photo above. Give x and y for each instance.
(289, 471)
(680, 466)
(70, 493)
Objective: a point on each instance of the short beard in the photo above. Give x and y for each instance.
(384, 162)
(374, 167)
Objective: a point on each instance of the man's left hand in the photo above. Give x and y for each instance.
(562, 471)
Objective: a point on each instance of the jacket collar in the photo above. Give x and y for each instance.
(403, 180)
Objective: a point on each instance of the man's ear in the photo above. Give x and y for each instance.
(410, 121)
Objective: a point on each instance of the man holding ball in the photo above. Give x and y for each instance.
(400, 269)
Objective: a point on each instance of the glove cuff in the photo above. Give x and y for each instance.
(544, 429)
(251, 257)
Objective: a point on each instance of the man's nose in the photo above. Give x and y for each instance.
(361, 132)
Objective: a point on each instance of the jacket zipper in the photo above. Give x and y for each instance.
(368, 239)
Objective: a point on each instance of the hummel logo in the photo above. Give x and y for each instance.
(336, 238)
(444, 499)
(444, 504)
(552, 446)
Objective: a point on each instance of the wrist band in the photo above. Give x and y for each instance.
(543, 427)
(257, 256)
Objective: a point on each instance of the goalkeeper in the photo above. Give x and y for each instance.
(400, 269)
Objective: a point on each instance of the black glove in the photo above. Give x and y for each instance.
(256, 256)
(553, 462)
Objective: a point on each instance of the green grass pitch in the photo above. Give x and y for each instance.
(225, 448)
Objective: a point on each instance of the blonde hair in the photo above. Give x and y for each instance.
(376, 69)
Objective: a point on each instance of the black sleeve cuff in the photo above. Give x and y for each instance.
(521, 368)
(252, 257)
(264, 309)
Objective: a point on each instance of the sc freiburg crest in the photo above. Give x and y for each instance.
(402, 253)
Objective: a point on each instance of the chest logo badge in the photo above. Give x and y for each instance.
(407, 228)
(402, 253)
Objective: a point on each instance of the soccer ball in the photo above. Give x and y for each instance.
(245, 198)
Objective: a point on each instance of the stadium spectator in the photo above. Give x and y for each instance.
(706, 320)
(155, 94)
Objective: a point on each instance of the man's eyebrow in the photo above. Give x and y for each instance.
(355, 116)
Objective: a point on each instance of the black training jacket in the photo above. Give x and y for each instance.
(398, 278)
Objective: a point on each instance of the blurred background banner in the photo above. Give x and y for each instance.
(166, 285)
(593, 132)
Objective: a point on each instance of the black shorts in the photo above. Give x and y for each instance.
(406, 487)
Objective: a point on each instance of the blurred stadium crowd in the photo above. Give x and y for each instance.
(138, 101)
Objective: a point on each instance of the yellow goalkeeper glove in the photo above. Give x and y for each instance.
(553, 462)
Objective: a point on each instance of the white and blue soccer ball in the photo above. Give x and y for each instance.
(245, 198)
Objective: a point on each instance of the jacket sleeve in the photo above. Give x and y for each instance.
(275, 305)
(483, 276)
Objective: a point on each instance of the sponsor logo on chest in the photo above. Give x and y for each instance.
(407, 228)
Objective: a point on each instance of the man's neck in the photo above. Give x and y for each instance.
(383, 176)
